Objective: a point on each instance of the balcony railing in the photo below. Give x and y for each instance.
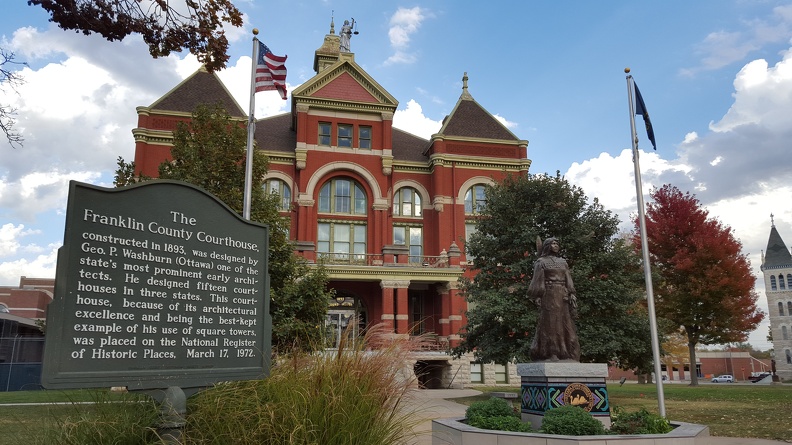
(375, 259)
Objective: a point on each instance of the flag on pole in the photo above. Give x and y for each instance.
(270, 71)
(640, 109)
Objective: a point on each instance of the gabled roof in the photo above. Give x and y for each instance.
(344, 84)
(777, 253)
(468, 119)
(202, 87)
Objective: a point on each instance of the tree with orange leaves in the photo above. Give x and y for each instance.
(705, 283)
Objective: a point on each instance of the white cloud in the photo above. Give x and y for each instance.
(403, 24)
(413, 120)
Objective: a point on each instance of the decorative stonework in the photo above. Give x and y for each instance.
(394, 284)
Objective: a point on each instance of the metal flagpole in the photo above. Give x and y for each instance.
(645, 250)
(251, 129)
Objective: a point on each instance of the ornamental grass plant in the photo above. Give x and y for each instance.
(353, 395)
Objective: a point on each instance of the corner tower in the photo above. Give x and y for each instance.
(777, 269)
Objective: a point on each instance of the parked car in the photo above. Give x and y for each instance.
(761, 376)
(725, 378)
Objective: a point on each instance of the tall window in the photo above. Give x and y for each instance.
(344, 135)
(342, 196)
(501, 373)
(411, 237)
(476, 373)
(278, 187)
(789, 307)
(475, 199)
(470, 229)
(780, 308)
(781, 281)
(364, 137)
(344, 241)
(789, 357)
(789, 280)
(324, 133)
(407, 202)
(772, 282)
(784, 333)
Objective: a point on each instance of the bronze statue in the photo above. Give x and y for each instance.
(552, 290)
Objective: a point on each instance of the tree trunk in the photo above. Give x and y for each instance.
(693, 373)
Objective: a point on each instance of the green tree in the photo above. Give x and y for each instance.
(166, 26)
(705, 283)
(612, 325)
(210, 153)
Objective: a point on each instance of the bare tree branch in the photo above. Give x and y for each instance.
(9, 79)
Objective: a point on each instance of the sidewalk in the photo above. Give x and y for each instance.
(429, 404)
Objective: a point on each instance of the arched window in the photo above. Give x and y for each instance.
(784, 333)
(475, 199)
(407, 202)
(789, 280)
(279, 187)
(343, 240)
(781, 281)
(789, 357)
(789, 307)
(780, 308)
(342, 195)
(4, 309)
(772, 282)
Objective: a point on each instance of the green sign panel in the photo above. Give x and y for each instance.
(158, 284)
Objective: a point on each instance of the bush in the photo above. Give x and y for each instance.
(494, 407)
(571, 420)
(640, 422)
(501, 423)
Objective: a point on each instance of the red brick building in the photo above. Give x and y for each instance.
(387, 211)
(28, 300)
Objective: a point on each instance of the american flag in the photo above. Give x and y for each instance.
(270, 71)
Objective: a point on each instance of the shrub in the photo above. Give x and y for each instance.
(640, 422)
(352, 396)
(571, 420)
(494, 407)
(501, 423)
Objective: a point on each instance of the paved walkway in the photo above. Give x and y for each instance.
(429, 404)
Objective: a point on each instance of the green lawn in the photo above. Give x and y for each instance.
(761, 411)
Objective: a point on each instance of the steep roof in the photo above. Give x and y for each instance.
(777, 253)
(409, 147)
(468, 119)
(202, 87)
(275, 133)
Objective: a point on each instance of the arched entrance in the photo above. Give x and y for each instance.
(343, 310)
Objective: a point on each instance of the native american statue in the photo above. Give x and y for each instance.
(552, 290)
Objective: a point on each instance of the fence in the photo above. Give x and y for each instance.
(20, 363)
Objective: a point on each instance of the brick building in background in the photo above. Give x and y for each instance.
(387, 212)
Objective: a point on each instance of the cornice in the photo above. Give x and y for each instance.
(153, 137)
(445, 137)
(336, 104)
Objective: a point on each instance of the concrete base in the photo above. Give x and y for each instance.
(456, 432)
(548, 385)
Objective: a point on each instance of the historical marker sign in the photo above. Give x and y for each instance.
(158, 284)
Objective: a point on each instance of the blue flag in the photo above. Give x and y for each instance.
(640, 108)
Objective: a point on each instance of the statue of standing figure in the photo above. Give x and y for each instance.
(346, 35)
(552, 290)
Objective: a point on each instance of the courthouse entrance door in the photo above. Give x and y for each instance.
(344, 312)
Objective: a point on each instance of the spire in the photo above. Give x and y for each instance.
(465, 94)
(777, 253)
(327, 54)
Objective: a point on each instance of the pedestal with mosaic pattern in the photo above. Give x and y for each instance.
(548, 385)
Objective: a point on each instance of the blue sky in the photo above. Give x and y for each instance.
(716, 77)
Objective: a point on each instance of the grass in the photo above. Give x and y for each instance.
(759, 411)
(354, 396)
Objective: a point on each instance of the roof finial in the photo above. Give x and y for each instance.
(772, 222)
(332, 23)
(465, 93)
